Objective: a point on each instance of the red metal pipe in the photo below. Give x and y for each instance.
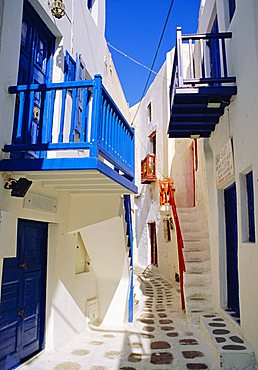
(167, 197)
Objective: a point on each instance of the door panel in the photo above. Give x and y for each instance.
(22, 306)
(153, 243)
(37, 47)
(232, 248)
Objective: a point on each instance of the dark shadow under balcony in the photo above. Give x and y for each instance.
(73, 136)
(148, 169)
(200, 86)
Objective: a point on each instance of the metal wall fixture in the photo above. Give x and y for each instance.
(58, 9)
(18, 187)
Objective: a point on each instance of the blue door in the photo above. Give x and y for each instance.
(215, 67)
(232, 248)
(37, 46)
(23, 296)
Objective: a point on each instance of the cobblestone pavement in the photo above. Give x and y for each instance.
(160, 338)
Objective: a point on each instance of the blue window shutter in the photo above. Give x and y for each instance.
(250, 205)
(69, 68)
(80, 75)
(75, 71)
(232, 8)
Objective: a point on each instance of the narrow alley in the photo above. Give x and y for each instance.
(159, 338)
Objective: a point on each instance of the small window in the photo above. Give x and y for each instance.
(250, 206)
(149, 111)
(167, 228)
(231, 8)
(152, 137)
(90, 4)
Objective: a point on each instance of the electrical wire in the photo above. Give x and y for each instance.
(132, 59)
(154, 59)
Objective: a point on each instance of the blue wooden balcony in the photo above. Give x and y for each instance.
(70, 132)
(200, 87)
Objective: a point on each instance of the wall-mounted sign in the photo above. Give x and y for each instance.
(224, 164)
(40, 202)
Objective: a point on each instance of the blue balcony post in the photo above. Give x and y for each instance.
(116, 137)
(179, 55)
(20, 117)
(104, 119)
(96, 115)
(133, 152)
(29, 127)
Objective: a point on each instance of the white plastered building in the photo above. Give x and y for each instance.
(74, 207)
(212, 163)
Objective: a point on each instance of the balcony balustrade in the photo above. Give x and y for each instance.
(201, 87)
(70, 126)
(148, 169)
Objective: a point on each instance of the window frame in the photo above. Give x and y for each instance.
(149, 112)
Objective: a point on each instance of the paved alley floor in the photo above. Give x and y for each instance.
(160, 338)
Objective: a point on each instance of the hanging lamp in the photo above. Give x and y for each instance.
(58, 9)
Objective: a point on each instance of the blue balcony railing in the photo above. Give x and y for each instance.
(70, 116)
(202, 62)
(201, 84)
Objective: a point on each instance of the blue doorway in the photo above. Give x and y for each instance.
(35, 67)
(230, 201)
(23, 296)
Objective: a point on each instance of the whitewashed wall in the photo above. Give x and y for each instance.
(147, 208)
(239, 122)
(67, 292)
(94, 217)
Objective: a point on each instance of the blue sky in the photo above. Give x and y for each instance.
(135, 27)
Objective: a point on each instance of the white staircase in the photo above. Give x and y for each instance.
(197, 278)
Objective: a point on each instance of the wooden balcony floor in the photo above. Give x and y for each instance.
(190, 112)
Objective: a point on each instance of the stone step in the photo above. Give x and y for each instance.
(188, 217)
(187, 210)
(197, 292)
(187, 226)
(197, 304)
(229, 348)
(197, 267)
(194, 235)
(199, 280)
(196, 256)
(195, 314)
(196, 245)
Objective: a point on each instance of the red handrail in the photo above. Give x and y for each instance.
(167, 198)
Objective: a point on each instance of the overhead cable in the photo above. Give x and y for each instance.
(154, 59)
(132, 59)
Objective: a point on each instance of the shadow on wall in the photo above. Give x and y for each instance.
(143, 204)
(107, 281)
(67, 292)
(182, 173)
(255, 14)
(105, 242)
